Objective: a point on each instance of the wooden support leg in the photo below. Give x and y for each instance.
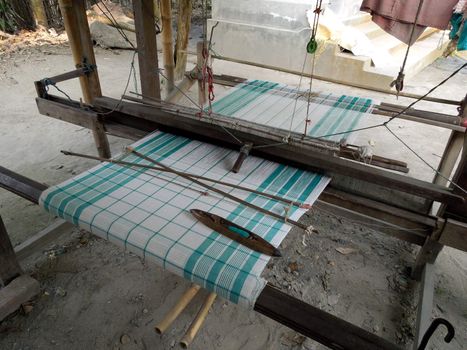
(147, 48)
(449, 158)
(428, 252)
(79, 37)
(9, 266)
(100, 139)
(425, 303)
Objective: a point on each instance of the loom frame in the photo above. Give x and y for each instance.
(404, 205)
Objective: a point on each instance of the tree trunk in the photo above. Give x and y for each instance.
(38, 11)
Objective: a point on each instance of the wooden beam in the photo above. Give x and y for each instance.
(316, 324)
(42, 239)
(147, 47)
(449, 159)
(189, 79)
(20, 185)
(459, 210)
(291, 153)
(79, 37)
(428, 252)
(399, 232)
(183, 34)
(9, 266)
(19, 291)
(454, 234)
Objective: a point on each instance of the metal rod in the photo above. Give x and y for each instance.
(223, 193)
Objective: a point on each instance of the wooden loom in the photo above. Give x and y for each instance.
(397, 204)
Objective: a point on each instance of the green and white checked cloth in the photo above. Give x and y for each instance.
(280, 106)
(147, 212)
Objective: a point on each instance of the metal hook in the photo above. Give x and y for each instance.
(434, 325)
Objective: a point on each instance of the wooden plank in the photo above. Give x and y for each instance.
(21, 185)
(66, 113)
(454, 234)
(292, 153)
(147, 47)
(42, 239)
(316, 324)
(19, 291)
(9, 266)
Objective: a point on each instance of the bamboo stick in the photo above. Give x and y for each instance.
(225, 194)
(183, 33)
(202, 92)
(182, 303)
(224, 183)
(167, 42)
(198, 321)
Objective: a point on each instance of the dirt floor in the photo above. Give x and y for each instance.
(95, 296)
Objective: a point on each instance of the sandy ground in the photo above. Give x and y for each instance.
(95, 296)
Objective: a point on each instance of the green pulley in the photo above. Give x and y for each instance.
(312, 46)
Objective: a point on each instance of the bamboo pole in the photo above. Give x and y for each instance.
(198, 321)
(79, 37)
(183, 33)
(182, 303)
(202, 92)
(167, 42)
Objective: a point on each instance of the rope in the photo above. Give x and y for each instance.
(399, 81)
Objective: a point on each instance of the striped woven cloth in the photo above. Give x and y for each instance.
(147, 212)
(280, 106)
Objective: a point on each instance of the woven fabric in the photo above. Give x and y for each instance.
(147, 212)
(274, 104)
(149, 215)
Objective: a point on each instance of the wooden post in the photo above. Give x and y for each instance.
(38, 11)
(457, 145)
(183, 33)
(202, 92)
(77, 29)
(147, 48)
(167, 43)
(9, 266)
